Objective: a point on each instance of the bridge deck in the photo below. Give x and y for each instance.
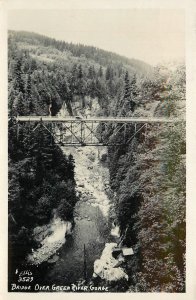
(86, 131)
(95, 119)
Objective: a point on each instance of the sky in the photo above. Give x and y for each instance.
(151, 35)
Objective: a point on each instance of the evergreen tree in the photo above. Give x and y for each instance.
(109, 73)
(80, 72)
(21, 107)
(18, 73)
(100, 72)
(128, 96)
(28, 87)
(91, 72)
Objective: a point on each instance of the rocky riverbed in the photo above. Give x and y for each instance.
(51, 237)
(89, 176)
(92, 227)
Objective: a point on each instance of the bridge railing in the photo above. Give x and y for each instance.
(96, 119)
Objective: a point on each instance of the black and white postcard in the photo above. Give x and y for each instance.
(96, 148)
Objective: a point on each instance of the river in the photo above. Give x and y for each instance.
(91, 222)
(93, 234)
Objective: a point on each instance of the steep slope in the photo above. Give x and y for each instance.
(37, 43)
(148, 178)
(50, 73)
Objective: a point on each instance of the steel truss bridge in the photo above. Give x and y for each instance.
(76, 131)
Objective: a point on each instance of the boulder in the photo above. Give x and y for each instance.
(81, 185)
(53, 259)
(127, 251)
(107, 266)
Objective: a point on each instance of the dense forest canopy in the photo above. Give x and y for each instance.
(43, 71)
(147, 176)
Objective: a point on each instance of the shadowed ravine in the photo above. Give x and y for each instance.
(91, 227)
(70, 266)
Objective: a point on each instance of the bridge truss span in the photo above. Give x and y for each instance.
(102, 131)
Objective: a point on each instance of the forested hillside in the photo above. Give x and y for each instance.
(147, 176)
(45, 72)
(41, 177)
